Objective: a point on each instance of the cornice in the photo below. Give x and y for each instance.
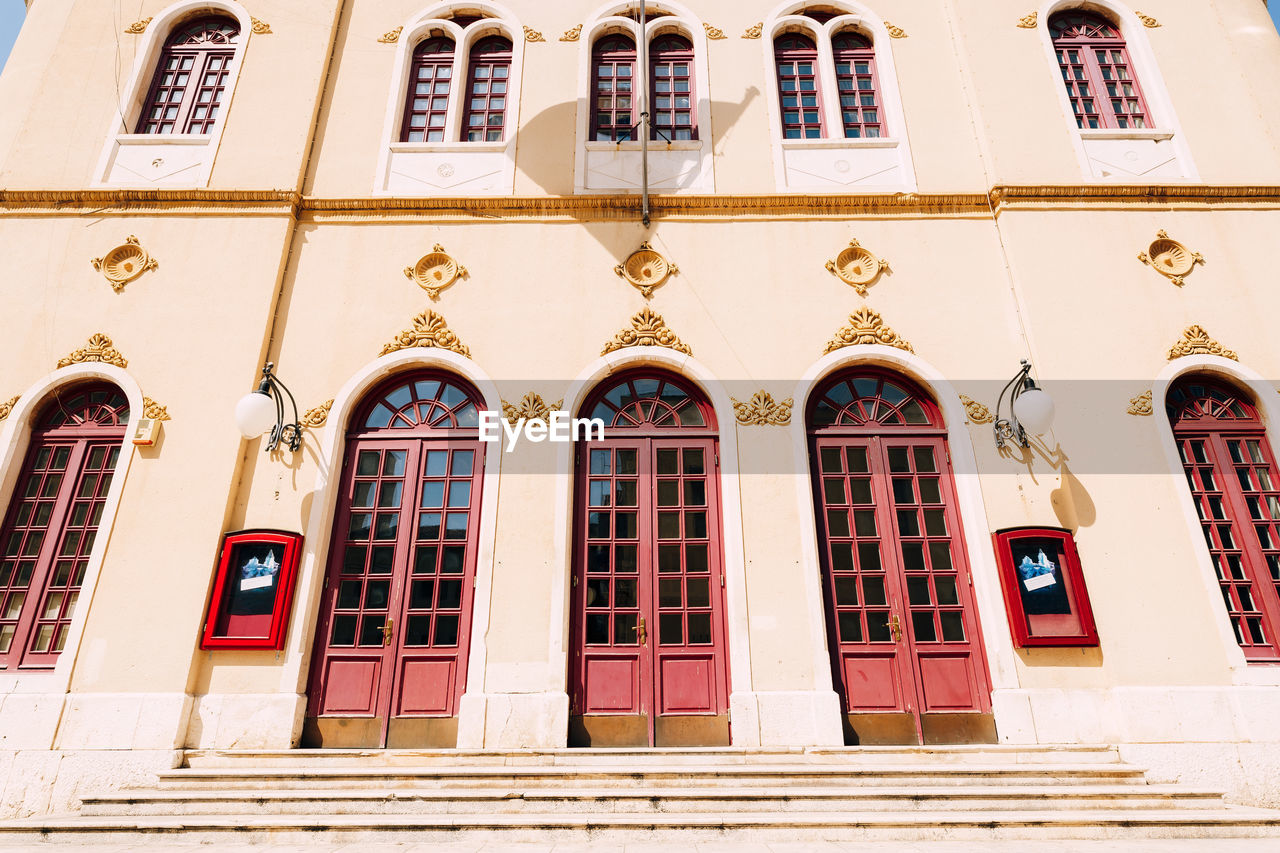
(158, 202)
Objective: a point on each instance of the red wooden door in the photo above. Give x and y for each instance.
(390, 661)
(905, 642)
(649, 664)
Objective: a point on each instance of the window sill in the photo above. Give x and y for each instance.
(802, 144)
(661, 145)
(1113, 133)
(447, 147)
(164, 138)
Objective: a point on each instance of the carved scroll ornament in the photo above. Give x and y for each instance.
(761, 410)
(866, 327)
(100, 349)
(647, 330)
(1196, 341)
(530, 407)
(428, 330)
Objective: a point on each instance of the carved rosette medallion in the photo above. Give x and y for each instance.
(573, 34)
(6, 408)
(100, 349)
(124, 263)
(755, 31)
(895, 32)
(1196, 341)
(1140, 406)
(155, 411)
(647, 330)
(975, 411)
(531, 34)
(260, 27)
(1028, 22)
(1147, 21)
(857, 267)
(1170, 258)
(428, 330)
(713, 33)
(139, 27)
(317, 417)
(646, 270)
(866, 327)
(435, 271)
(761, 410)
(531, 407)
(391, 37)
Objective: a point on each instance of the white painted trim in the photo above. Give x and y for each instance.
(736, 622)
(144, 68)
(1268, 403)
(15, 437)
(315, 551)
(415, 31)
(1147, 71)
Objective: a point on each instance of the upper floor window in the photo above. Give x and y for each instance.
(1097, 71)
(430, 80)
(671, 88)
(800, 82)
(191, 78)
(613, 79)
(796, 62)
(431, 91)
(486, 94)
(616, 115)
(856, 79)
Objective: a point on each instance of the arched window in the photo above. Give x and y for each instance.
(430, 79)
(901, 621)
(613, 74)
(796, 62)
(671, 88)
(1231, 471)
(487, 76)
(1097, 72)
(855, 60)
(390, 659)
(191, 78)
(52, 521)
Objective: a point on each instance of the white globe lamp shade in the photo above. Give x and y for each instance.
(1034, 410)
(255, 414)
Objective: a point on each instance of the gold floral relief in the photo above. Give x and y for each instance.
(866, 327)
(1147, 21)
(713, 33)
(391, 36)
(260, 27)
(125, 263)
(895, 32)
(975, 411)
(153, 410)
(139, 27)
(761, 410)
(573, 34)
(1028, 22)
(531, 407)
(647, 330)
(857, 267)
(6, 408)
(317, 417)
(755, 31)
(1140, 405)
(531, 34)
(429, 329)
(646, 269)
(1170, 258)
(100, 349)
(435, 271)
(1196, 341)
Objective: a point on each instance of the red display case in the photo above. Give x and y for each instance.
(253, 590)
(1044, 590)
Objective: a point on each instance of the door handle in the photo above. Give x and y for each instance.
(644, 633)
(387, 631)
(895, 628)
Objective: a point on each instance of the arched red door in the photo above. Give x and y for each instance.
(649, 663)
(390, 658)
(1231, 471)
(906, 652)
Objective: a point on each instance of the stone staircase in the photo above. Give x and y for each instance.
(615, 795)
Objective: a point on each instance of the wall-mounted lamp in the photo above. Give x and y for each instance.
(263, 410)
(1030, 410)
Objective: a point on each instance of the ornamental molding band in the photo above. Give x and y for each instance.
(100, 349)
(1140, 406)
(1028, 22)
(391, 37)
(155, 411)
(646, 269)
(428, 330)
(761, 410)
(531, 34)
(647, 330)
(975, 411)
(866, 327)
(857, 267)
(1196, 341)
(260, 27)
(754, 32)
(139, 27)
(1147, 21)
(6, 408)
(573, 34)
(531, 407)
(895, 32)
(317, 417)
(125, 263)
(1170, 258)
(713, 33)
(435, 271)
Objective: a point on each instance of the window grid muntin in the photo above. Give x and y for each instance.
(613, 599)
(858, 86)
(186, 93)
(488, 90)
(671, 95)
(426, 107)
(1098, 74)
(799, 101)
(438, 563)
(682, 532)
(643, 401)
(613, 72)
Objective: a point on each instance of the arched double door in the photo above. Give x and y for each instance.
(906, 652)
(649, 664)
(390, 660)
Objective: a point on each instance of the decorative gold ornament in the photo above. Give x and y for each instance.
(646, 270)
(754, 32)
(100, 349)
(531, 407)
(1028, 22)
(153, 410)
(6, 409)
(317, 417)
(647, 330)
(531, 34)
(1147, 21)
(260, 27)
(429, 330)
(866, 327)
(124, 263)
(1141, 405)
(857, 267)
(976, 412)
(1170, 258)
(1196, 341)
(895, 32)
(435, 271)
(573, 34)
(138, 28)
(761, 410)
(713, 33)
(392, 36)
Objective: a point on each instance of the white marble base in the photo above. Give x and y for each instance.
(786, 718)
(513, 720)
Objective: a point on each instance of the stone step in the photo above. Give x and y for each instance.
(684, 800)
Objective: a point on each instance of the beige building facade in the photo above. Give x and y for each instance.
(303, 228)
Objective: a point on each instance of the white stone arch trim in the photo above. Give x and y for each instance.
(987, 593)
(139, 85)
(419, 28)
(1148, 73)
(607, 20)
(1268, 403)
(15, 438)
(742, 713)
(315, 547)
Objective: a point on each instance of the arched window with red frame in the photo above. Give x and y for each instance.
(488, 73)
(1231, 471)
(1101, 82)
(390, 660)
(52, 521)
(426, 106)
(796, 65)
(191, 79)
(671, 89)
(855, 59)
(649, 659)
(906, 649)
(613, 73)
